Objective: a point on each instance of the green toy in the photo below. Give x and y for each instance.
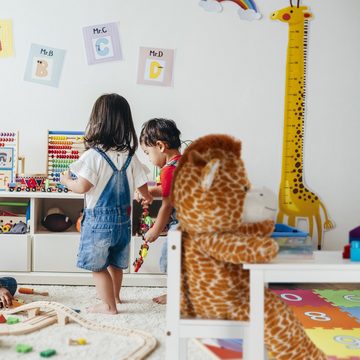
(48, 353)
(23, 348)
(12, 320)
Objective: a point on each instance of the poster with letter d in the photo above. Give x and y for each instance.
(155, 66)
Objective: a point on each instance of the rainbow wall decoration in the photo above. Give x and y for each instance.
(247, 8)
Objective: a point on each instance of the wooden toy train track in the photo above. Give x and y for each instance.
(45, 313)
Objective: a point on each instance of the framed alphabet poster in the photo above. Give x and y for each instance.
(155, 66)
(102, 43)
(6, 38)
(44, 65)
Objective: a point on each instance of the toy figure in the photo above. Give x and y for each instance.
(146, 223)
(209, 191)
(143, 253)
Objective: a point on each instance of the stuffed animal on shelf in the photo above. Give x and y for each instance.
(55, 220)
(209, 191)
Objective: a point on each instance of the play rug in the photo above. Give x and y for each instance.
(330, 317)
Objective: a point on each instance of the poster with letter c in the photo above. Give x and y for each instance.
(155, 66)
(102, 43)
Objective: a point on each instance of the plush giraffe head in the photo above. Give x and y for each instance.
(210, 185)
(292, 14)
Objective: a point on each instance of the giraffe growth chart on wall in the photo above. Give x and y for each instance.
(295, 198)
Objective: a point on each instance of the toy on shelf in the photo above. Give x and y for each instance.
(10, 222)
(27, 183)
(8, 158)
(46, 313)
(2, 319)
(78, 221)
(355, 250)
(293, 243)
(64, 147)
(55, 220)
(352, 249)
(32, 291)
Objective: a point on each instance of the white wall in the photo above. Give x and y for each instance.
(229, 78)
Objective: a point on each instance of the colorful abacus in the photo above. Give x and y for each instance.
(64, 147)
(8, 158)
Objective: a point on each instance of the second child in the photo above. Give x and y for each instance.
(108, 174)
(160, 140)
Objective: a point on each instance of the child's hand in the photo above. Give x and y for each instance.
(147, 200)
(5, 298)
(151, 235)
(64, 177)
(137, 196)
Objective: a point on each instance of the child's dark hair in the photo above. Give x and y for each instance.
(111, 125)
(160, 130)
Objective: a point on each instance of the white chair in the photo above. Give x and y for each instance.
(178, 330)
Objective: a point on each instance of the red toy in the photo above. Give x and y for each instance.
(143, 252)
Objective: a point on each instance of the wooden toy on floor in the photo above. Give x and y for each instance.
(45, 313)
(15, 303)
(23, 348)
(79, 341)
(48, 353)
(32, 291)
(12, 320)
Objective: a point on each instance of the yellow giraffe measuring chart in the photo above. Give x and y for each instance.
(295, 199)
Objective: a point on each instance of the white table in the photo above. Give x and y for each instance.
(325, 267)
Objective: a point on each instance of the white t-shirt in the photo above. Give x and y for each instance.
(94, 168)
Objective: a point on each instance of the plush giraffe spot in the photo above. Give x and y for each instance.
(286, 17)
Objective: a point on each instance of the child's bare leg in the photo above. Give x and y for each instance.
(162, 299)
(116, 276)
(104, 287)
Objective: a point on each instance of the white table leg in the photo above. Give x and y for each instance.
(256, 329)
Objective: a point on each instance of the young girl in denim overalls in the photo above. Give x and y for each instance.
(108, 173)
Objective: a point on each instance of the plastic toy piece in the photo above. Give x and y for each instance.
(38, 319)
(2, 319)
(346, 252)
(80, 341)
(143, 253)
(354, 234)
(12, 320)
(32, 291)
(355, 250)
(48, 353)
(23, 348)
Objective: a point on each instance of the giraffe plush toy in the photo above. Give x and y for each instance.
(210, 185)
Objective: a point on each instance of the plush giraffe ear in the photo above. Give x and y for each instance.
(196, 158)
(208, 173)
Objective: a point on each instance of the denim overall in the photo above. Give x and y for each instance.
(106, 229)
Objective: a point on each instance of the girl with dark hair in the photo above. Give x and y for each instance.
(108, 174)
